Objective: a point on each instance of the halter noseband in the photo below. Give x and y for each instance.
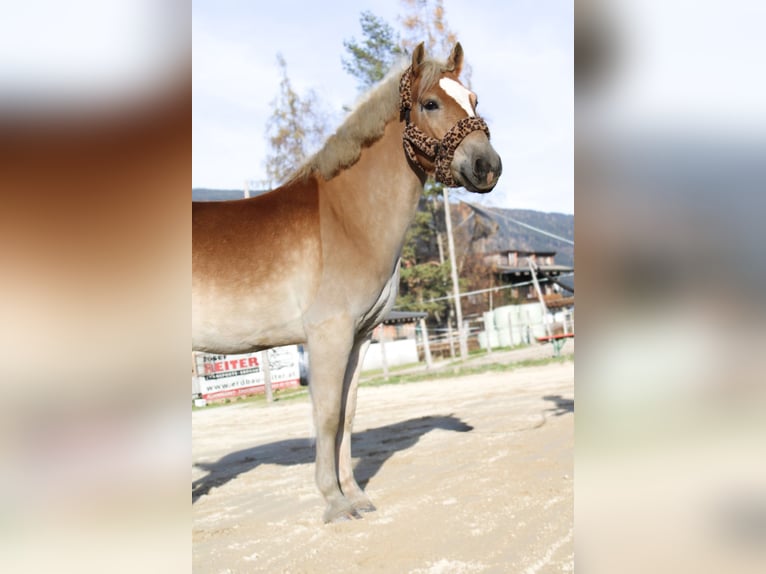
(440, 152)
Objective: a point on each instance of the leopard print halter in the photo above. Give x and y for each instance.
(440, 152)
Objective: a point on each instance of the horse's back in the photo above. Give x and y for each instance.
(273, 218)
(255, 268)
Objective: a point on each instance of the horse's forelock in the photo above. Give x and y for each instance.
(430, 74)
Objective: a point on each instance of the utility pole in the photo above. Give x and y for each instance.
(440, 243)
(455, 285)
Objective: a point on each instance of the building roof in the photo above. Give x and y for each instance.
(541, 269)
(395, 317)
(543, 252)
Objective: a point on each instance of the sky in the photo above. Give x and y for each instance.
(520, 51)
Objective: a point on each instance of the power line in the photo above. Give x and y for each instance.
(500, 288)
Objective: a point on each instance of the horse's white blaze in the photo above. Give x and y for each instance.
(459, 93)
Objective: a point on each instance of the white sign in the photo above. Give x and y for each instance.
(223, 376)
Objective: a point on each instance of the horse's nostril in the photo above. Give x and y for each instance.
(480, 168)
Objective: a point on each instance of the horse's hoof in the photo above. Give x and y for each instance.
(335, 515)
(365, 507)
(361, 503)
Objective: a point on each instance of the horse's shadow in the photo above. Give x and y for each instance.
(374, 447)
(562, 405)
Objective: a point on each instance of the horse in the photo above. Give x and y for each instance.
(316, 260)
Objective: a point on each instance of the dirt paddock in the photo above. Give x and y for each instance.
(469, 474)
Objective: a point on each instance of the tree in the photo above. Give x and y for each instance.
(370, 59)
(424, 275)
(295, 128)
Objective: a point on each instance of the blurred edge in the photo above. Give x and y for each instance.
(94, 230)
(670, 179)
(95, 172)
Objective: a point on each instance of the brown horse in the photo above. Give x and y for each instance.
(316, 260)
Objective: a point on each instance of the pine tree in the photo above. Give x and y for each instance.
(370, 59)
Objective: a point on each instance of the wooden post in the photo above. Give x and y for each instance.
(487, 332)
(266, 368)
(490, 299)
(383, 358)
(426, 345)
(195, 374)
(449, 334)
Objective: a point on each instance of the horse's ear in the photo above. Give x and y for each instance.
(418, 57)
(455, 60)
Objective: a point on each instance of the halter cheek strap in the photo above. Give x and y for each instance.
(440, 152)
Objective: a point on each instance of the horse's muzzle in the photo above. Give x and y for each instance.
(481, 174)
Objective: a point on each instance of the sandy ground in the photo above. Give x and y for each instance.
(469, 474)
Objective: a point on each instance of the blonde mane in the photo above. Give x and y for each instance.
(365, 124)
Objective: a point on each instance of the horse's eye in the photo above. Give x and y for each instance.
(431, 105)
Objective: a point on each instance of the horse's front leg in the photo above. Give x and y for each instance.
(330, 343)
(348, 484)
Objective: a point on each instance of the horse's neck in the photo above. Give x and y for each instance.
(378, 196)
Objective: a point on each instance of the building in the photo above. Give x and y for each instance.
(514, 267)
